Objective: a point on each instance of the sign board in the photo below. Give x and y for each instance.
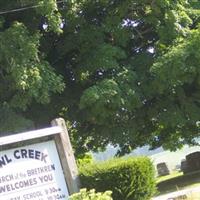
(36, 166)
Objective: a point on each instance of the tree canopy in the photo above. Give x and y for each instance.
(124, 72)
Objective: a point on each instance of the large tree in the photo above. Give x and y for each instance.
(125, 72)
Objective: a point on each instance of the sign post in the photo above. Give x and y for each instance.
(38, 165)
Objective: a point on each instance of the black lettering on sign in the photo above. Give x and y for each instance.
(4, 160)
(29, 153)
(46, 178)
(18, 185)
(40, 170)
(24, 153)
(16, 154)
(6, 178)
(37, 155)
(33, 195)
(2, 188)
(43, 157)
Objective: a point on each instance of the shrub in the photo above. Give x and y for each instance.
(129, 179)
(84, 159)
(91, 195)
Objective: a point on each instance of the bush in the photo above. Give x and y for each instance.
(84, 159)
(91, 195)
(129, 179)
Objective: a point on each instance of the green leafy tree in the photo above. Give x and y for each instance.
(130, 69)
(25, 74)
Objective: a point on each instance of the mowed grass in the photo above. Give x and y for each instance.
(177, 181)
(173, 174)
(193, 196)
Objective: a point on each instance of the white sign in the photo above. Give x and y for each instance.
(32, 172)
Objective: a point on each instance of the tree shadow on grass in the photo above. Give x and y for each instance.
(178, 183)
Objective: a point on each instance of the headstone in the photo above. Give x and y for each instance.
(184, 166)
(38, 165)
(193, 161)
(162, 169)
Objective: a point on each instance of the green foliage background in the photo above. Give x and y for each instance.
(120, 72)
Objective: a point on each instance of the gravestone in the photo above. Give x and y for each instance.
(38, 165)
(193, 161)
(162, 169)
(184, 166)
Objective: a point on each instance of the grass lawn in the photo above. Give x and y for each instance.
(177, 181)
(173, 174)
(194, 196)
